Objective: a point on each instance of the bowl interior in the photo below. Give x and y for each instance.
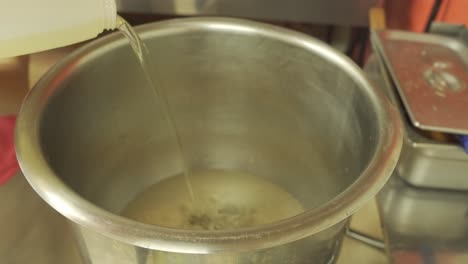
(243, 102)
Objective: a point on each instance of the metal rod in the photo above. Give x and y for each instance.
(366, 239)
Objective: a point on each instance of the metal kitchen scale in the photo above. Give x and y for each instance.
(424, 206)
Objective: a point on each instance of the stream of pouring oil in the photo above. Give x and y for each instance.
(143, 55)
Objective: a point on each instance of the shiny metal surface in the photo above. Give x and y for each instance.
(424, 162)
(421, 225)
(338, 12)
(366, 239)
(424, 225)
(430, 73)
(246, 96)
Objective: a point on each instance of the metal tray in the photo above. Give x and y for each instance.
(430, 73)
(424, 225)
(424, 162)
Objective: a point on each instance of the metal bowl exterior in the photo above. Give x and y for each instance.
(315, 234)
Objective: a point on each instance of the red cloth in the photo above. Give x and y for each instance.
(8, 163)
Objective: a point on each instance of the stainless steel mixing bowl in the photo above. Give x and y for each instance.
(246, 97)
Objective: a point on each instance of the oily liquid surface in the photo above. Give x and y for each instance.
(225, 201)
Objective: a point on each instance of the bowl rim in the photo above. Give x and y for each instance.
(87, 215)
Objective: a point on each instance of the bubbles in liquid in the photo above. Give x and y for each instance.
(225, 201)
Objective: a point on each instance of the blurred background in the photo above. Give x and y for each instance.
(345, 25)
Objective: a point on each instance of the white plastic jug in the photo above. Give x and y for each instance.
(28, 26)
